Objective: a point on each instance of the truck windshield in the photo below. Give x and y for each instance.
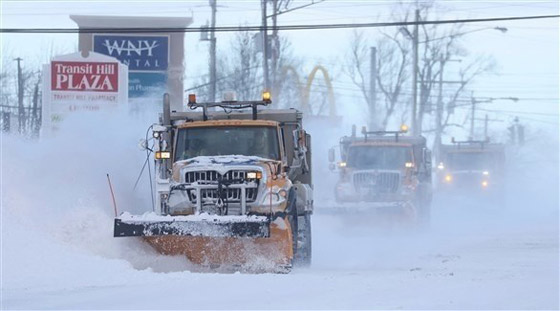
(260, 141)
(379, 157)
(470, 160)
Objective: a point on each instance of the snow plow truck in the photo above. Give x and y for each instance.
(384, 171)
(233, 186)
(472, 168)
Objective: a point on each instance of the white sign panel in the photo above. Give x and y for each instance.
(75, 83)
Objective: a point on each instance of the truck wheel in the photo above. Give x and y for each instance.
(304, 254)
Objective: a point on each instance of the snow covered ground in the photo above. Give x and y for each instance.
(476, 266)
(58, 251)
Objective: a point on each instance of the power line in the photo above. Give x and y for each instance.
(261, 28)
(512, 112)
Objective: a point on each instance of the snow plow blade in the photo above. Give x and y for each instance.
(251, 227)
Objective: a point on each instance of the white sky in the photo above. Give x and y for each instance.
(527, 55)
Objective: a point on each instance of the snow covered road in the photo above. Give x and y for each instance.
(472, 264)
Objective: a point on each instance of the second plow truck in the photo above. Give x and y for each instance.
(232, 187)
(472, 168)
(385, 171)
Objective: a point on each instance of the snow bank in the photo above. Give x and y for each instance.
(57, 217)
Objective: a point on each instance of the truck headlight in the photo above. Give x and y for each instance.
(254, 175)
(484, 183)
(448, 178)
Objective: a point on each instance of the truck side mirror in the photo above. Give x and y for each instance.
(331, 155)
(300, 139)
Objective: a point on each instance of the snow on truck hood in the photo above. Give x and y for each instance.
(225, 160)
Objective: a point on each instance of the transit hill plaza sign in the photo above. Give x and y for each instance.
(85, 76)
(75, 83)
(155, 61)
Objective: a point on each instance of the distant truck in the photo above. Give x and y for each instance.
(232, 187)
(471, 167)
(385, 169)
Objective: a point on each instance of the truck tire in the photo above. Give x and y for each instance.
(292, 216)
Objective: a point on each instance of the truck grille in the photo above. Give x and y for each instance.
(231, 195)
(378, 182)
(213, 176)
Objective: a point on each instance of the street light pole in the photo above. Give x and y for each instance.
(415, 73)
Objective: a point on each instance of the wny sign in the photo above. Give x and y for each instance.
(139, 53)
(74, 83)
(147, 58)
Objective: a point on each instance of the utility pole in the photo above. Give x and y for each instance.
(272, 51)
(423, 101)
(486, 126)
(265, 46)
(473, 108)
(21, 111)
(372, 90)
(415, 72)
(275, 49)
(36, 123)
(439, 110)
(213, 53)
(439, 106)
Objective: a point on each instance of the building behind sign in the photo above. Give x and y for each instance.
(155, 60)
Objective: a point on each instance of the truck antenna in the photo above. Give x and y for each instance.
(112, 195)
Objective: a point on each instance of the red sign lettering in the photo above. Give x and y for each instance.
(84, 76)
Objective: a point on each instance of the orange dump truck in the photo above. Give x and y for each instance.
(232, 187)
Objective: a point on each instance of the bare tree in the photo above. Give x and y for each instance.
(438, 45)
(243, 68)
(392, 72)
(240, 70)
